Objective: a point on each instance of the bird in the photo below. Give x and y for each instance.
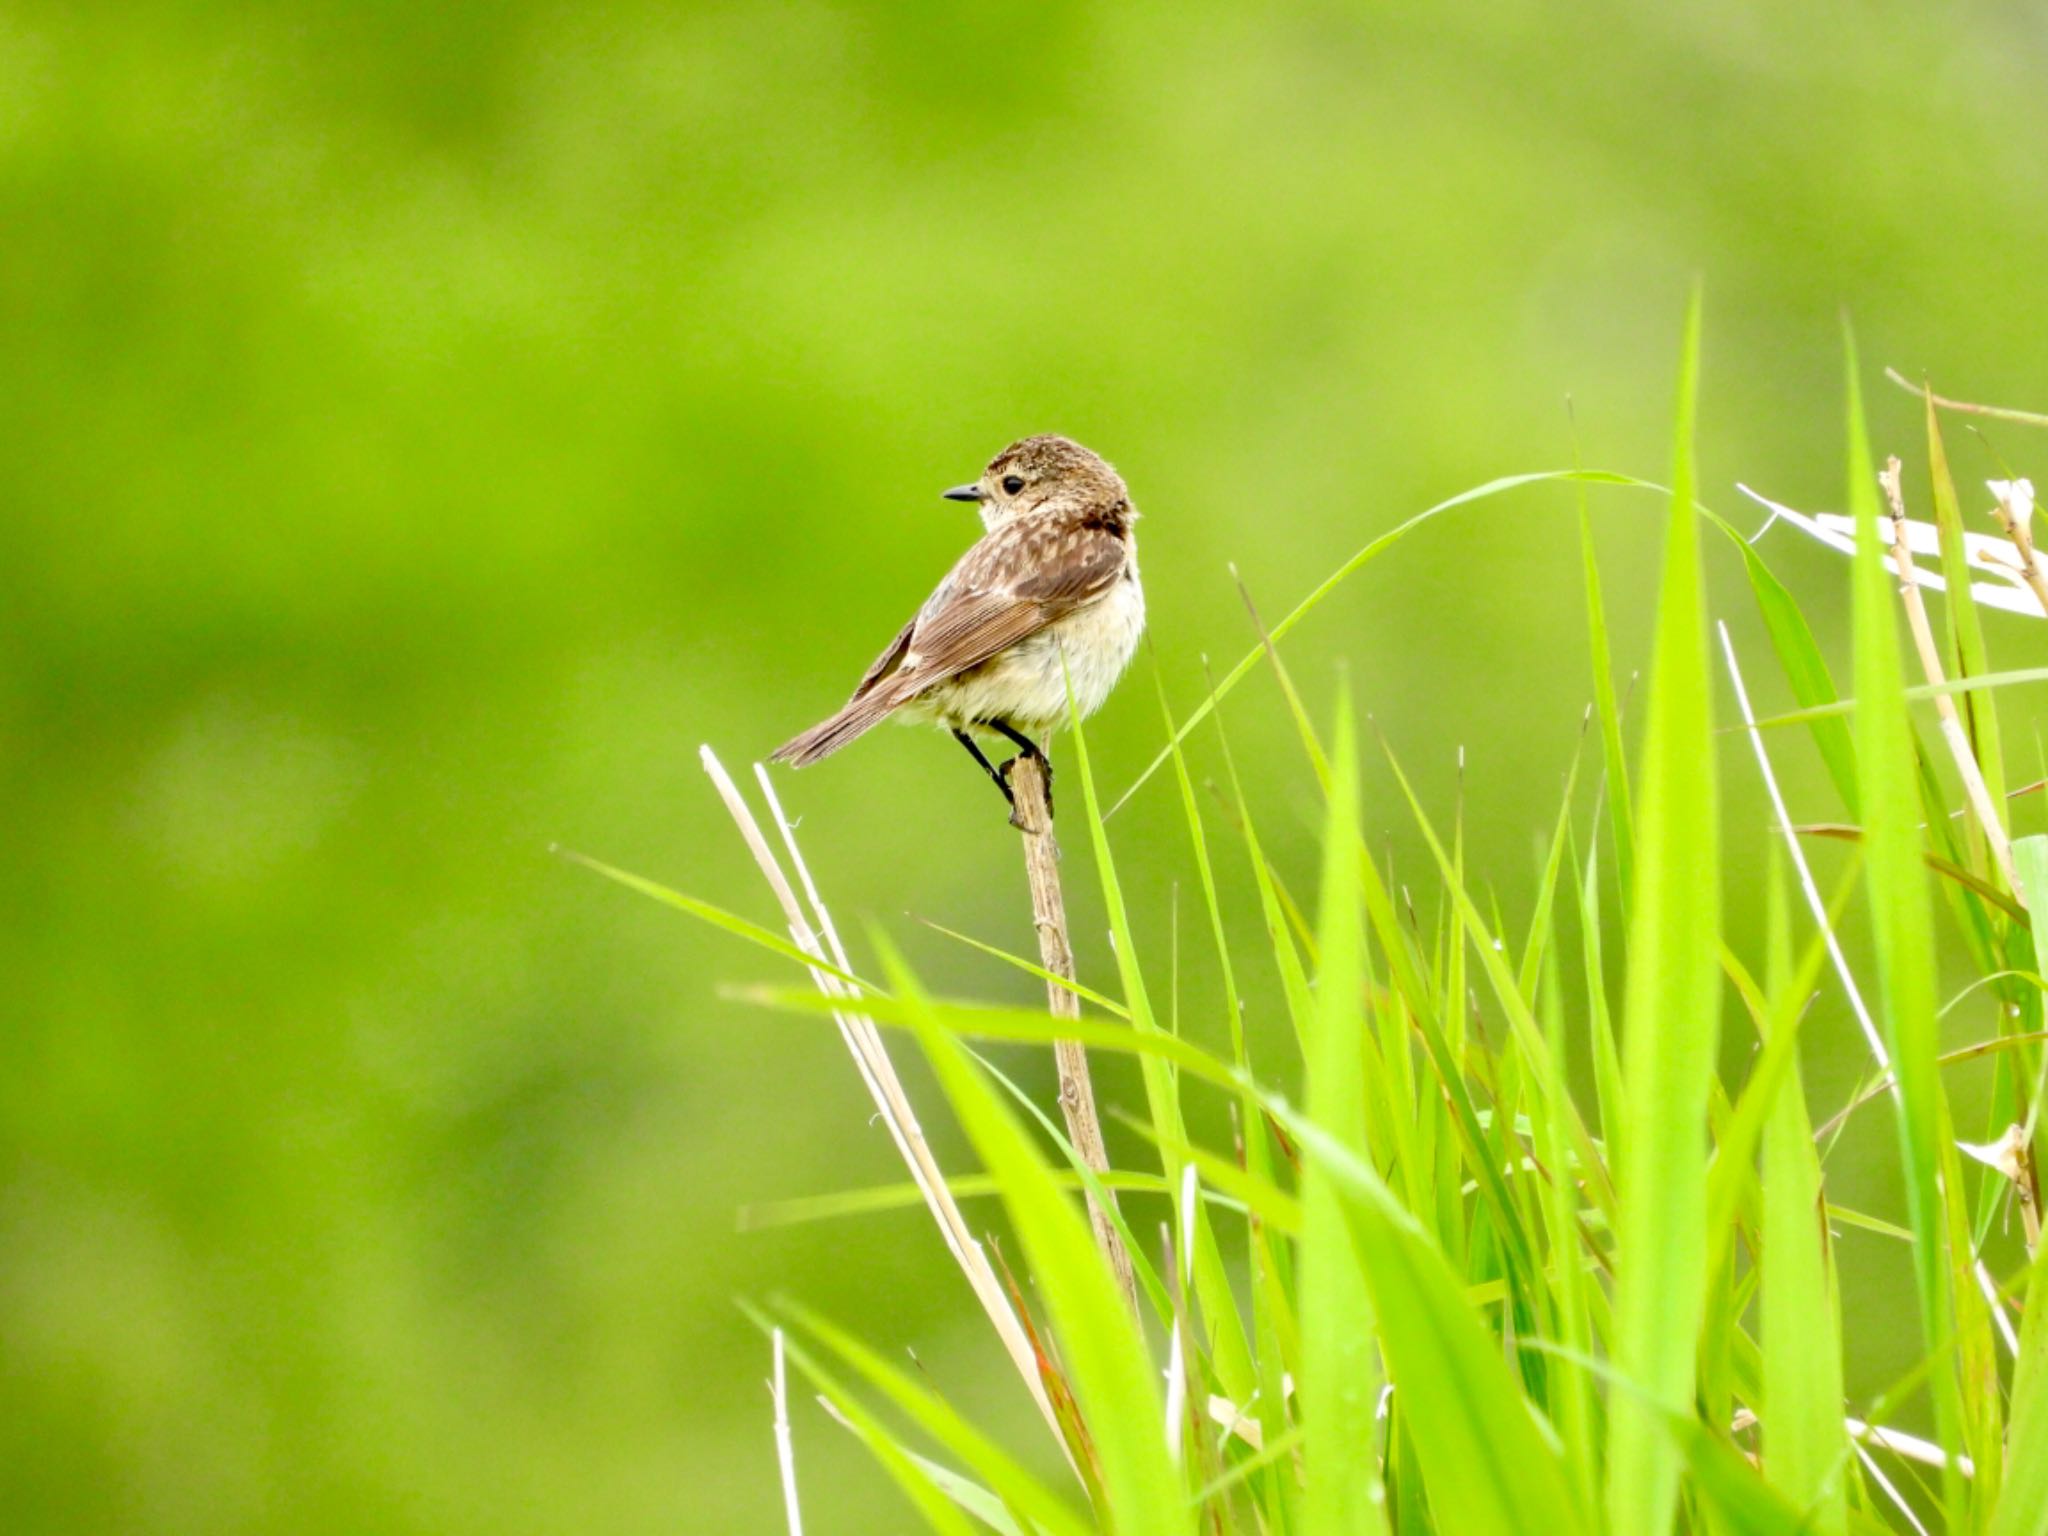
(1047, 600)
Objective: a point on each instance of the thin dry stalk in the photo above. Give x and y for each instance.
(1952, 730)
(2022, 535)
(1996, 1303)
(2001, 412)
(785, 1447)
(1180, 1269)
(1814, 903)
(1033, 819)
(1906, 1447)
(1889, 1488)
(863, 1039)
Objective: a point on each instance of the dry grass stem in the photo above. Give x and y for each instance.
(1952, 730)
(863, 1040)
(1906, 1447)
(785, 1447)
(2018, 529)
(1180, 1267)
(1814, 903)
(1888, 1084)
(1033, 819)
(1888, 1487)
(2000, 412)
(1989, 1289)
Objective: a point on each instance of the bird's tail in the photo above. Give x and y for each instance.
(828, 736)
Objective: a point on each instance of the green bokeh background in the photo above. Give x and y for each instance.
(422, 426)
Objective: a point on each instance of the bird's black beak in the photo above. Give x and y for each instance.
(963, 493)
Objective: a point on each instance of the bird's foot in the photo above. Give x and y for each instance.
(1016, 811)
(1003, 777)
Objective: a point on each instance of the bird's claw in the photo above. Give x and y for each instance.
(1010, 794)
(1003, 778)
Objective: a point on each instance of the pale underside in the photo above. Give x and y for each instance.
(1026, 685)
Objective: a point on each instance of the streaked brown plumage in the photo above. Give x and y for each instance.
(1049, 595)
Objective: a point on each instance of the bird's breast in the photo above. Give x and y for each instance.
(1098, 642)
(1027, 683)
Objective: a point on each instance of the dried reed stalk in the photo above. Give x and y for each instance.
(863, 1039)
(1952, 730)
(1807, 884)
(785, 1446)
(2022, 535)
(2002, 413)
(1031, 786)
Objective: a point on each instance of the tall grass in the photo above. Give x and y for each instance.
(1449, 1290)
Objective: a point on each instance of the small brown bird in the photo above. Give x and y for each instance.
(1048, 597)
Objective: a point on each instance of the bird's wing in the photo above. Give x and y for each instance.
(1018, 579)
(886, 663)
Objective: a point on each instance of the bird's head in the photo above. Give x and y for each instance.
(1046, 472)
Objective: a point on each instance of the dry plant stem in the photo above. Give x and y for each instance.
(2001, 412)
(1930, 662)
(1906, 1447)
(785, 1448)
(863, 1039)
(1814, 903)
(1891, 1490)
(2022, 538)
(1033, 818)
(1996, 1303)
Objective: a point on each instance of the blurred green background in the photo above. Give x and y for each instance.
(422, 426)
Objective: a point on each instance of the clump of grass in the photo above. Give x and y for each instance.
(1442, 1293)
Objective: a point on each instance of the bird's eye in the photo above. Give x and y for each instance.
(1012, 484)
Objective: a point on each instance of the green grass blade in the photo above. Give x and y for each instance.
(1990, 682)
(1606, 705)
(930, 1412)
(1336, 578)
(2023, 1506)
(2030, 863)
(1112, 1377)
(1572, 1395)
(1088, 995)
(1671, 1026)
(1229, 1186)
(1275, 1324)
(1205, 870)
(803, 1209)
(969, 1495)
(1340, 1376)
(1272, 905)
(1234, 1364)
(919, 1480)
(1482, 1153)
(1142, 1270)
(1162, 1096)
(1487, 1465)
(1162, 1086)
(983, 1023)
(1304, 728)
(1807, 671)
(1976, 1349)
(1800, 1314)
(717, 917)
(1902, 918)
(1606, 1049)
(1965, 627)
(1731, 1184)
(1735, 1497)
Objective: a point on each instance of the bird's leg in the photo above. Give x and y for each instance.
(1028, 748)
(987, 767)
